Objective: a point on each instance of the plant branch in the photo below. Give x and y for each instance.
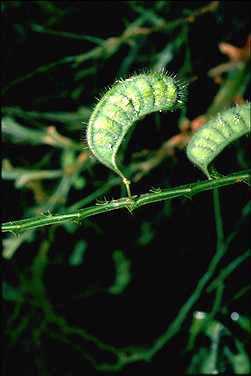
(187, 190)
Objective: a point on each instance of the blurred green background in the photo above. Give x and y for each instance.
(121, 292)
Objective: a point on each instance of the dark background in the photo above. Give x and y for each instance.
(169, 244)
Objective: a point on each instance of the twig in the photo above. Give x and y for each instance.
(188, 190)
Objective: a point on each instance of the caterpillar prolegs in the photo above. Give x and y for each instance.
(126, 102)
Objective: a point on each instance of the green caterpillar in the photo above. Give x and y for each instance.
(125, 103)
(219, 132)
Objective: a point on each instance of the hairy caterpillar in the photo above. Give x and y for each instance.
(215, 135)
(126, 102)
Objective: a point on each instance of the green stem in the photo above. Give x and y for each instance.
(188, 190)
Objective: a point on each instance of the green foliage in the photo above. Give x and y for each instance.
(119, 292)
(123, 275)
(217, 353)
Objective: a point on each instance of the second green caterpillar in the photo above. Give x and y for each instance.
(218, 133)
